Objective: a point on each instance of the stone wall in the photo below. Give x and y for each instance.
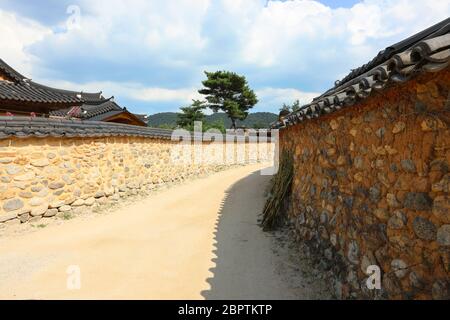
(371, 187)
(44, 177)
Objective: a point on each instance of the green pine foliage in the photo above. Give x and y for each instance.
(230, 93)
(190, 114)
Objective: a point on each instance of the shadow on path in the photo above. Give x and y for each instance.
(249, 263)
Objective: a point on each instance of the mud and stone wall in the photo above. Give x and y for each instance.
(47, 177)
(371, 187)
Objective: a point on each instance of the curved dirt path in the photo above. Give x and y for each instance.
(193, 241)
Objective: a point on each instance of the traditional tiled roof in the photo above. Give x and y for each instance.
(90, 110)
(27, 92)
(94, 111)
(426, 51)
(23, 127)
(16, 76)
(23, 89)
(142, 117)
(94, 97)
(90, 106)
(100, 109)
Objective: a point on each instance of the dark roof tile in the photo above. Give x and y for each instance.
(96, 112)
(16, 76)
(22, 127)
(25, 90)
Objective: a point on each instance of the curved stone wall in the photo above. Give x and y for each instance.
(371, 187)
(44, 177)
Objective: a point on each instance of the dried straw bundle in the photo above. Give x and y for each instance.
(281, 187)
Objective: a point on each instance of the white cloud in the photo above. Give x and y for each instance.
(135, 91)
(279, 26)
(16, 34)
(297, 31)
(281, 45)
(164, 94)
(116, 28)
(274, 98)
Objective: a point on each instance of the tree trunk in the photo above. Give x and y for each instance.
(233, 123)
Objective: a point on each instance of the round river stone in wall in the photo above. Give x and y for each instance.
(399, 267)
(13, 204)
(56, 185)
(398, 220)
(89, 201)
(25, 194)
(353, 252)
(424, 228)
(39, 211)
(50, 212)
(78, 202)
(418, 201)
(13, 169)
(65, 208)
(40, 162)
(443, 235)
(56, 204)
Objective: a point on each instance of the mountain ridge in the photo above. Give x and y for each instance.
(256, 119)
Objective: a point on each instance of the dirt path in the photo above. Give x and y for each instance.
(193, 241)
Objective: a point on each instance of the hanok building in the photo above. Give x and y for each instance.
(143, 117)
(23, 97)
(97, 108)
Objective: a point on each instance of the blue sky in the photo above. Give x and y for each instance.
(151, 54)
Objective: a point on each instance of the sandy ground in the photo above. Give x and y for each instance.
(193, 241)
